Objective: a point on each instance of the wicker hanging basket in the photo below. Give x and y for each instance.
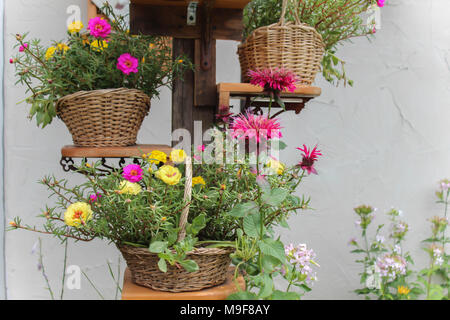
(104, 118)
(213, 262)
(297, 47)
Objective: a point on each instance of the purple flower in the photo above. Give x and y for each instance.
(302, 258)
(391, 266)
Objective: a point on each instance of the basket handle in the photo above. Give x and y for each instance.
(284, 10)
(187, 199)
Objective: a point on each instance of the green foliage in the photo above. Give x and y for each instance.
(335, 20)
(86, 63)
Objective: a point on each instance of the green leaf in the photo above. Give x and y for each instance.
(274, 248)
(252, 225)
(189, 265)
(158, 246)
(267, 286)
(242, 295)
(280, 102)
(162, 265)
(197, 224)
(280, 295)
(269, 263)
(275, 197)
(243, 209)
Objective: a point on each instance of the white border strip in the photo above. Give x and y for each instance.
(2, 163)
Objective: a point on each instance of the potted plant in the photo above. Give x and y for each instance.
(98, 82)
(334, 20)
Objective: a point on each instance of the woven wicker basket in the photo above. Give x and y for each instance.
(213, 262)
(297, 47)
(104, 118)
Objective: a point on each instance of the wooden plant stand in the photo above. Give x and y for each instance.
(69, 153)
(131, 291)
(253, 95)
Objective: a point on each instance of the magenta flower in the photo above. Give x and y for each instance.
(132, 173)
(127, 63)
(380, 3)
(201, 148)
(11, 60)
(252, 126)
(94, 197)
(23, 47)
(273, 80)
(99, 27)
(224, 114)
(309, 157)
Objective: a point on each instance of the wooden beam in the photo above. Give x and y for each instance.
(171, 21)
(184, 112)
(112, 152)
(230, 4)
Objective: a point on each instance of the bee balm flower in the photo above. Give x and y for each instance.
(255, 127)
(273, 80)
(77, 214)
(127, 64)
(309, 157)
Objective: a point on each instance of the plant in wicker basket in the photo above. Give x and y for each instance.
(99, 82)
(326, 24)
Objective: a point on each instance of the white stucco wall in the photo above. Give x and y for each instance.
(385, 142)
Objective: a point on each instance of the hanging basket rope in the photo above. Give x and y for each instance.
(289, 45)
(213, 262)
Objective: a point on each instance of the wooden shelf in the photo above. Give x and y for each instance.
(293, 100)
(229, 4)
(131, 291)
(112, 152)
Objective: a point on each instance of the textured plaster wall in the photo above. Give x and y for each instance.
(385, 142)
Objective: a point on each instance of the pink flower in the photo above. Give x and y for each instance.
(201, 148)
(274, 80)
(23, 47)
(380, 3)
(99, 27)
(94, 197)
(309, 157)
(127, 63)
(132, 173)
(252, 126)
(11, 61)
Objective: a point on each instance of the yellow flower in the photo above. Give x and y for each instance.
(151, 46)
(62, 47)
(77, 214)
(198, 180)
(99, 45)
(276, 166)
(170, 175)
(223, 187)
(127, 187)
(157, 157)
(163, 219)
(178, 156)
(180, 61)
(402, 290)
(143, 59)
(50, 53)
(150, 169)
(13, 224)
(75, 26)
